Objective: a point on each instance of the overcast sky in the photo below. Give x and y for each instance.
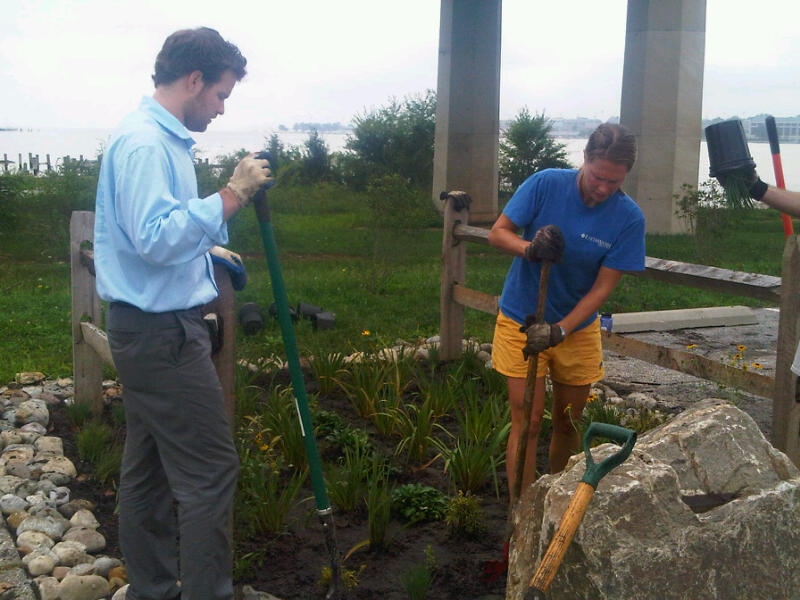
(85, 63)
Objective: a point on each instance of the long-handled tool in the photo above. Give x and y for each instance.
(530, 387)
(777, 165)
(324, 510)
(572, 517)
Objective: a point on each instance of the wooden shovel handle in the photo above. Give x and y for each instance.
(530, 387)
(567, 527)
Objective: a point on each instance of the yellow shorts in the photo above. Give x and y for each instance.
(578, 360)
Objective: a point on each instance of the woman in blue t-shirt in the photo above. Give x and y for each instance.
(602, 236)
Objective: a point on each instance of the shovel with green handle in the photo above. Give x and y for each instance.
(572, 517)
(324, 510)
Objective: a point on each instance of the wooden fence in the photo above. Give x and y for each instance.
(783, 291)
(90, 351)
(36, 166)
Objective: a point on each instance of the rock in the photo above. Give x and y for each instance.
(104, 564)
(71, 553)
(34, 540)
(54, 528)
(83, 587)
(640, 536)
(249, 593)
(93, 540)
(49, 445)
(11, 503)
(84, 518)
(120, 593)
(40, 562)
(48, 588)
(59, 469)
(29, 378)
(32, 411)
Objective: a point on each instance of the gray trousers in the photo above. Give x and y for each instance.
(180, 466)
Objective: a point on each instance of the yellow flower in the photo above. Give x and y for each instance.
(741, 347)
(756, 365)
(365, 333)
(691, 346)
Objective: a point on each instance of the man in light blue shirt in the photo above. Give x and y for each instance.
(152, 237)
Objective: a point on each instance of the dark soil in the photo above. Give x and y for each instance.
(290, 565)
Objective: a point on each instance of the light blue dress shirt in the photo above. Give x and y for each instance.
(152, 233)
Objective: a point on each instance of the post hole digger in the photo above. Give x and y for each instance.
(573, 515)
(324, 510)
(547, 247)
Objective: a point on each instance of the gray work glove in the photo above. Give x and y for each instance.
(460, 200)
(540, 337)
(547, 244)
(248, 176)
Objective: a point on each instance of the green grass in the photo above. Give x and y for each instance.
(340, 251)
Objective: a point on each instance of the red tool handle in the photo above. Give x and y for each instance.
(775, 150)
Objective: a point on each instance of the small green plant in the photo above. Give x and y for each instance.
(267, 487)
(415, 503)
(107, 466)
(346, 480)
(417, 580)
(78, 413)
(93, 440)
(440, 396)
(349, 577)
(326, 365)
(363, 382)
(280, 418)
(464, 516)
(414, 424)
(379, 503)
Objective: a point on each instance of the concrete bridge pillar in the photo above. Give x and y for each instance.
(468, 104)
(662, 93)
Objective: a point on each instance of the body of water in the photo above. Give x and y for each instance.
(89, 142)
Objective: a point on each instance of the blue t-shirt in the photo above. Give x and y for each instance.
(610, 234)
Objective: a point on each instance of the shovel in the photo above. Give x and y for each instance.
(324, 510)
(572, 517)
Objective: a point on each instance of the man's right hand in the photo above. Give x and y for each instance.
(248, 176)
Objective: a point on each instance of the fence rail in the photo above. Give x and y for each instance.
(784, 291)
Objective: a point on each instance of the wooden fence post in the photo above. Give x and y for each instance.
(86, 365)
(785, 407)
(454, 259)
(224, 360)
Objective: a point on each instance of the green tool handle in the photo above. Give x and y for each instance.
(622, 436)
(292, 355)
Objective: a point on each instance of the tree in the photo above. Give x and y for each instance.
(395, 139)
(316, 158)
(526, 147)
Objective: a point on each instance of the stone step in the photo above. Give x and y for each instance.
(685, 318)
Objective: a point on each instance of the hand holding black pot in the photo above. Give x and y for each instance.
(755, 187)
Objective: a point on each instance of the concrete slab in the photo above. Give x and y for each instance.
(688, 318)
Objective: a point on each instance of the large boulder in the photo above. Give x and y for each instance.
(704, 507)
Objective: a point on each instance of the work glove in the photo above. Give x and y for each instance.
(233, 263)
(547, 244)
(541, 336)
(249, 175)
(460, 200)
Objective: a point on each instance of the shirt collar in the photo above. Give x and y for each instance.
(167, 120)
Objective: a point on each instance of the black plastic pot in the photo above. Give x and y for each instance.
(250, 318)
(727, 148)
